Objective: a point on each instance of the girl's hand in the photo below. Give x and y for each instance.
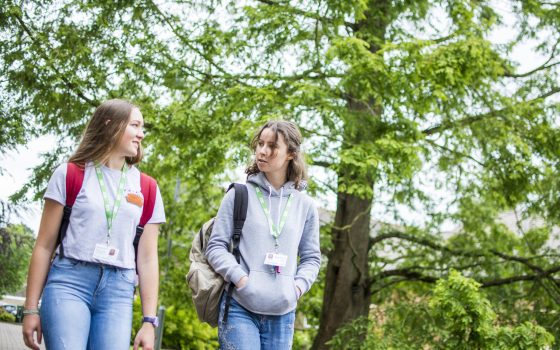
(145, 338)
(242, 282)
(32, 325)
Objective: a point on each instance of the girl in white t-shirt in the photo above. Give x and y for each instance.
(87, 291)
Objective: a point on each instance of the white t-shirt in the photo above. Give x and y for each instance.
(88, 223)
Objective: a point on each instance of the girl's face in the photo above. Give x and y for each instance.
(133, 135)
(272, 153)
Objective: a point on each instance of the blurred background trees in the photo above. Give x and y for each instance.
(16, 244)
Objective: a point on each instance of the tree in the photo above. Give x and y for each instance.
(400, 101)
(16, 244)
(456, 315)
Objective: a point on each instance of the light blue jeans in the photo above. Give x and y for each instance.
(87, 306)
(247, 330)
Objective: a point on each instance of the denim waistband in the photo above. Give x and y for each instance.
(91, 263)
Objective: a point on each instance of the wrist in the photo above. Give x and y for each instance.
(30, 305)
(30, 311)
(153, 320)
(148, 325)
(242, 281)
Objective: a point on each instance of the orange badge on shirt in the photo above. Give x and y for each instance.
(135, 199)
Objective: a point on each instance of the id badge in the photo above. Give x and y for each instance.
(105, 253)
(275, 259)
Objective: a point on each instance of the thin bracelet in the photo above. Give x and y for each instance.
(30, 312)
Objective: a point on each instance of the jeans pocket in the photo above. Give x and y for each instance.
(65, 263)
(128, 275)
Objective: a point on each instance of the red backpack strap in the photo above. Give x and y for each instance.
(148, 186)
(74, 181)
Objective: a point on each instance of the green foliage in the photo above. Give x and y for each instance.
(526, 336)
(184, 331)
(467, 320)
(181, 328)
(6, 316)
(465, 316)
(456, 315)
(356, 335)
(16, 244)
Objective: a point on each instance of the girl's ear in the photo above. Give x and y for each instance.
(291, 156)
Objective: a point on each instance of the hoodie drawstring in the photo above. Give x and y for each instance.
(270, 212)
(279, 207)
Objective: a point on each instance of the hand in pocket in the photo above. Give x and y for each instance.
(242, 282)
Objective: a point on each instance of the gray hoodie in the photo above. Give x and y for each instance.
(267, 292)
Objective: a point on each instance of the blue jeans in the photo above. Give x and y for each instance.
(87, 306)
(247, 330)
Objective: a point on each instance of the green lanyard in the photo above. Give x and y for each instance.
(275, 231)
(111, 214)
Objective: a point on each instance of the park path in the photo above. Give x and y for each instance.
(10, 337)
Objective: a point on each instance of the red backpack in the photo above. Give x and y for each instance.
(74, 181)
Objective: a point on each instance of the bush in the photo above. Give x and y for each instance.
(456, 315)
(181, 329)
(6, 316)
(467, 321)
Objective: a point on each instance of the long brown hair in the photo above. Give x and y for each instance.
(297, 171)
(103, 133)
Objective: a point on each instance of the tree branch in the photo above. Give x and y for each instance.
(303, 13)
(433, 143)
(540, 275)
(185, 40)
(446, 125)
(325, 184)
(321, 163)
(513, 279)
(310, 74)
(69, 84)
(410, 275)
(356, 218)
(541, 67)
(473, 254)
(307, 74)
(526, 74)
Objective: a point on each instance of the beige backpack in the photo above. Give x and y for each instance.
(205, 283)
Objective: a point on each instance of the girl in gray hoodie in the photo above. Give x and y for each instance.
(280, 256)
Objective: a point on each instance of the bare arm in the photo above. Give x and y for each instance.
(39, 268)
(148, 275)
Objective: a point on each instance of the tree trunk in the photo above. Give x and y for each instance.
(346, 294)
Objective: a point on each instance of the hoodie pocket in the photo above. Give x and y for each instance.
(268, 293)
(295, 289)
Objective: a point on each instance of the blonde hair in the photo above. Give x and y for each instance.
(103, 133)
(297, 171)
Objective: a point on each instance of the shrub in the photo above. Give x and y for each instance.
(6, 316)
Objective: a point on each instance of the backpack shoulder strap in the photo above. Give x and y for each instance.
(74, 181)
(240, 205)
(148, 186)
